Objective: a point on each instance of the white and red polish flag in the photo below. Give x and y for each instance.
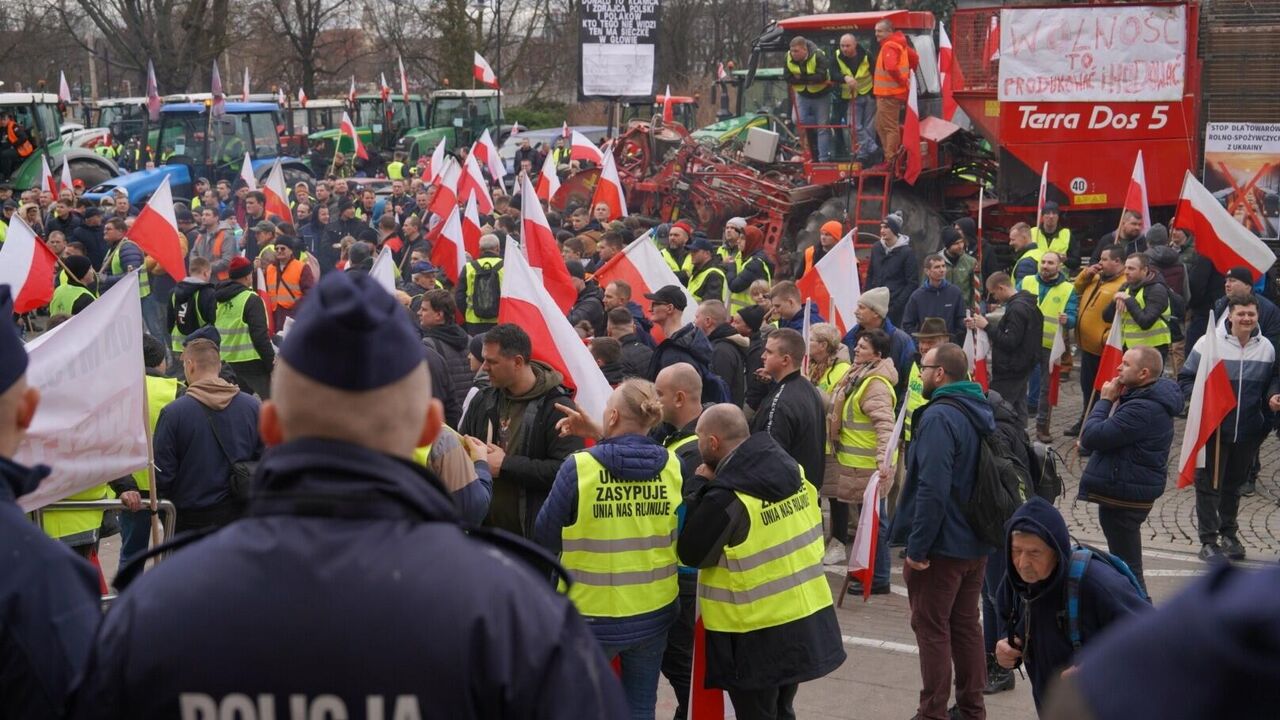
(471, 231)
(1212, 399)
(1218, 236)
(582, 148)
(705, 703)
(46, 176)
(952, 78)
(219, 107)
(488, 153)
(977, 347)
(472, 182)
(1112, 354)
(526, 302)
(153, 93)
(543, 252)
(609, 189)
(351, 92)
(548, 180)
(348, 128)
(448, 252)
(436, 163)
(27, 266)
(911, 134)
(862, 565)
(244, 85)
(302, 97)
(483, 73)
(642, 267)
(383, 271)
(64, 90)
(447, 181)
(66, 182)
(991, 44)
(246, 172)
(384, 90)
(156, 231)
(1135, 198)
(276, 194)
(668, 109)
(1055, 365)
(404, 79)
(720, 73)
(834, 283)
(1044, 192)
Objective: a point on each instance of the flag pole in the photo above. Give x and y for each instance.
(1217, 457)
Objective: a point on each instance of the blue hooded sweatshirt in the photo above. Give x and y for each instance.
(627, 457)
(1037, 611)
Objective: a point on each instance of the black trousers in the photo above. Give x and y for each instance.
(1014, 391)
(1217, 508)
(840, 520)
(766, 704)
(677, 660)
(213, 516)
(1088, 373)
(1123, 530)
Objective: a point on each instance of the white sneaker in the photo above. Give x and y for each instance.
(836, 553)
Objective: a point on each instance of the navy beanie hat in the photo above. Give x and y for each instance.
(352, 335)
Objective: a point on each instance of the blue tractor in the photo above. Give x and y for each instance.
(190, 143)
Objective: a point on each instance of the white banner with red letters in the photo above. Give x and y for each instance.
(1093, 54)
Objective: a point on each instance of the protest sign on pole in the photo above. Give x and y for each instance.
(619, 41)
(1242, 170)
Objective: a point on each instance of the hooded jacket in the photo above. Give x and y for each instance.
(1268, 316)
(191, 468)
(895, 268)
(627, 458)
(1037, 612)
(589, 306)
(636, 355)
(729, 360)
(1154, 292)
(49, 607)
(1167, 262)
(794, 414)
(1130, 447)
(796, 322)
(1016, 339)
(534, 448)
(338, 532)
(200, 294)
(451, 342)
(944, 301)
(942, 463)
(687, 345)
(793, 652)
(1251, 370)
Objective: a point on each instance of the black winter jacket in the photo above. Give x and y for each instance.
(589, 306)
(793, 413)
(451, 342)
(896, 269)
(1016, 340)
(729, 360)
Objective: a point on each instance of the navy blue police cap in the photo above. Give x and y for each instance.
(352, 335)
(13, 354)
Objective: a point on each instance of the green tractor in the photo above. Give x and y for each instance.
(459, 117)
(761, 100)
(379, 124)
(39, 115)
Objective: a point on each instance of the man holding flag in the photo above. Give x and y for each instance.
(1249, 361)
(1128, 434)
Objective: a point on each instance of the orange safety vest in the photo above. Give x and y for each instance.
(285, 288)
(24, 148)
(217, 243)
(886, 83)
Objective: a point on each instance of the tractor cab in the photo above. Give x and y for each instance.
(126, 121)
(459, 117)
(764, 103)
(380, 124)
(684, 110)
(40, 116)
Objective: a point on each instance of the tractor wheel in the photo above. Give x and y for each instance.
(92, 173)
(921, 222)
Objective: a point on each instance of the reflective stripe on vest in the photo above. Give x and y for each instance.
(65, 297)
(470, 274)
(885, 84)
(621, 548)
(1155, 336)
(915, 398)
(810, 67)
(856, 446)
(739, 300)
(1058, 244)
(1052, 304)
(77, 527)
(160, 392)
(861, 78)
(237, 345)
(118, 268)
(286, 287)
(773, 577)
(697, 281)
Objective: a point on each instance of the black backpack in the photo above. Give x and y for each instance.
(998, 486)
(486, 290)
(186, 313)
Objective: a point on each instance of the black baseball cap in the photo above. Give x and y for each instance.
(669, 294)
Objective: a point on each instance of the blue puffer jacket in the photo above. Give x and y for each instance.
(628, 457)
(797, 321)
(942, 463)
(1130, 447)
(1251, 370)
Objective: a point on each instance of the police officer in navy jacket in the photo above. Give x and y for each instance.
(48, 594)
(350, 588)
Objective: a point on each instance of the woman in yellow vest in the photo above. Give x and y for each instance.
(828, 358)
(611, 515)
(861, 423)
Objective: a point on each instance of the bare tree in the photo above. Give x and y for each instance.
(305, 41)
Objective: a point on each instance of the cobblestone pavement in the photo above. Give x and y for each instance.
(881, 677)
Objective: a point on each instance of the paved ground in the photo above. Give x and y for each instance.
(880, 679)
